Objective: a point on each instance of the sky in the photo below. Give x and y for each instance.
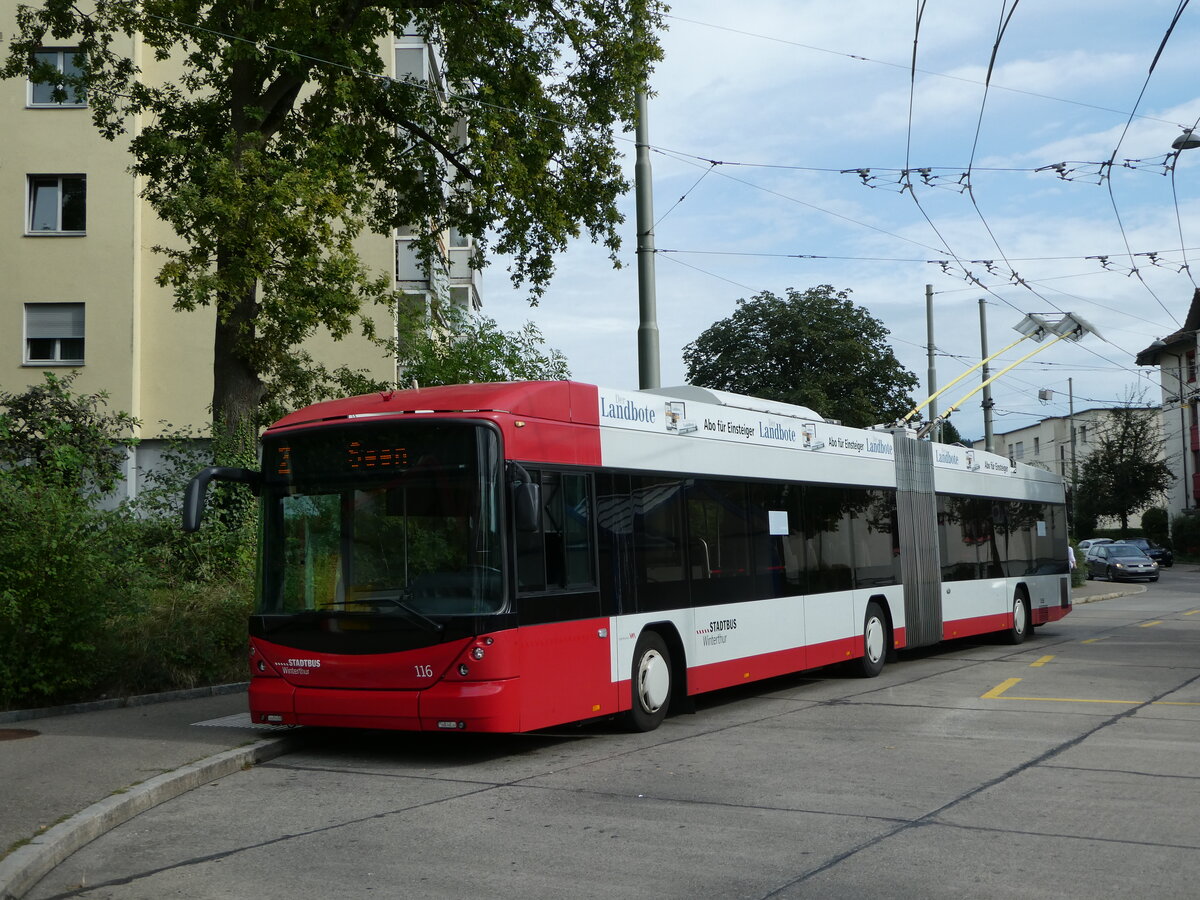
(786, 96)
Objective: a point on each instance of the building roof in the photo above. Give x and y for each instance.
(1179, 341)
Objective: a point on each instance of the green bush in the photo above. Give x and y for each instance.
(53, 599)
(1185, 535)
(95, 602)
(90, 607)
(1154, 526)
(1079, 573)
(176, 638)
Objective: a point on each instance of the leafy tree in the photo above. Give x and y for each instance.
(947, 433)
(301, 381)
(459, 348)
(280, 142)
(464, 348)
(814, 348)
(1126, 473)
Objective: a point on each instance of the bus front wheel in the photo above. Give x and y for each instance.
(650, 682)
(875, 648)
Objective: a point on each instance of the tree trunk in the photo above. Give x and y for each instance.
(237, 387)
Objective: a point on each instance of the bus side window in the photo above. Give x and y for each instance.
(531, 553)
(829, 559)
(577, 530)
(874, 534)
(552, 529)
(559, 553)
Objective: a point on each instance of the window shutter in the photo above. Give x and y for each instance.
(53, 320)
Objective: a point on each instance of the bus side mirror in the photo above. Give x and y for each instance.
(526, 497)
(197, 490)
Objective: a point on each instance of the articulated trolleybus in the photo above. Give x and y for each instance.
(509, 557)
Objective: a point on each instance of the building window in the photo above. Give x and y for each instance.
(1037, 447)
(1083, 434)
(54, 66)
(57, 204)
(411, 63)
(53, 333)
(1020, 450)
(1191, 366)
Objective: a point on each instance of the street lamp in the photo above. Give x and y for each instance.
(1186, 141)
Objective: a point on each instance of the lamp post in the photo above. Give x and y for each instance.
(1186, 141)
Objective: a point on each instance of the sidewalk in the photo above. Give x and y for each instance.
(112, 762)
(1091, 591)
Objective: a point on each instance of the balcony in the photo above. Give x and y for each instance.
(412, 276)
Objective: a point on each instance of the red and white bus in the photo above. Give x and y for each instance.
(509, 557)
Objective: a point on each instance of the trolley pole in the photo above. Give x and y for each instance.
(989, 439)
(932, 374)
(648, 360)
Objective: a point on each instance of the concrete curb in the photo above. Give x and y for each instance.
(45, 712)
(22, 869)
(1112, 595)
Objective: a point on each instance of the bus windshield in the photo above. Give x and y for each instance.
(394, 519)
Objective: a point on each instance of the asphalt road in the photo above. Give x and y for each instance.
(1065, 767)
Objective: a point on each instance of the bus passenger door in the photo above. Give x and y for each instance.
(563, 629)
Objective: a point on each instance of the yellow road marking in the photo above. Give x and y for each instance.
(994, 693)
(1149, 624)
(1095, 640)
(1192, 612)
(1041, 662)
(998, 691)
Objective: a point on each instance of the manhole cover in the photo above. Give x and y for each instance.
(15, 734)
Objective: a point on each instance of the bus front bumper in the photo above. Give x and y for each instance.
(487, 706)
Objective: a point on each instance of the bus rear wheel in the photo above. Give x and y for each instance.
(875, 632)
(1019, 630)
(650, 683)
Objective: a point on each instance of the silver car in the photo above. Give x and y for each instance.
(1120, 562)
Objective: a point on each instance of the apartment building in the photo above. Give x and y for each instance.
(78, 290)
(1175, 357)
(1047, 444)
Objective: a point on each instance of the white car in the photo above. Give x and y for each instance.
(1092, 542)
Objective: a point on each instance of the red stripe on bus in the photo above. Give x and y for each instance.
(961, 628)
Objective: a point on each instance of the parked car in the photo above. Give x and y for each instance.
(1085, 546)
(1120, 562)
(1160, 555)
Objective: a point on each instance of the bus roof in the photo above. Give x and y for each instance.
(569, 401)
(737, 401)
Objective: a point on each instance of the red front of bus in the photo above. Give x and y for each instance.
(384, 596)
